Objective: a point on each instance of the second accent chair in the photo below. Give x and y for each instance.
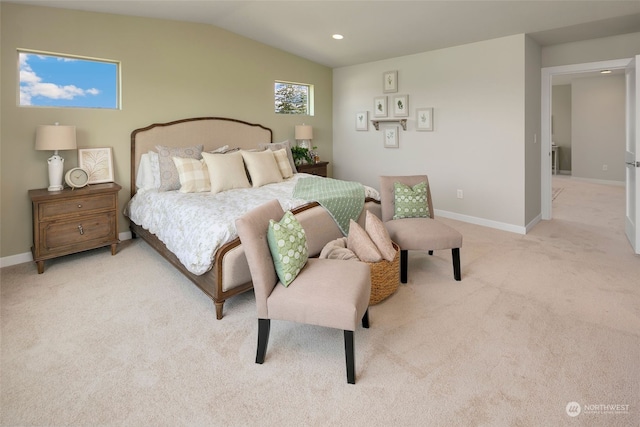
(411, 228)
(325, 292)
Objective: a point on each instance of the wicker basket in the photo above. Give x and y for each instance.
(385, 277)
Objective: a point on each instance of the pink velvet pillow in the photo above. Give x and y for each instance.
(380, 236)
(361, 244)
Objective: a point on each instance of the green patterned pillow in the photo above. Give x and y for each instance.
(288, 246)
(410, 202)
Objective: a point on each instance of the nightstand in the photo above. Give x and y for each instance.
(70, 221)
(319, 168)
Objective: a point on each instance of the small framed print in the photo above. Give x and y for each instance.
(391, 137)
(380, 106)
(401, 106)
(390, 81)
(98, 162)
(424, 119)
(362, 120)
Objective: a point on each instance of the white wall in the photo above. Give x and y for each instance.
(561, 129)
(598, 127)
(602, 49)
(478, 95)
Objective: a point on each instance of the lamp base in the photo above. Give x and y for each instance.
(56, 164)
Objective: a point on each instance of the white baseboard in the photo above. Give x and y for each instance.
(28, 256)
(484, 222)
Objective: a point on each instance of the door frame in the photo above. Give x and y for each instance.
(545, 119)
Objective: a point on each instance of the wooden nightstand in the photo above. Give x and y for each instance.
(70, 221)
(319, 168)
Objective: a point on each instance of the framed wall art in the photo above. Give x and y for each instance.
(424, 119)
(362, 120)
(390, 81)
(391, 137)
(98, 162)
(401, 106)
(380, 106)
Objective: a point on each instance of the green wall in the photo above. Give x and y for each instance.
(170, 70)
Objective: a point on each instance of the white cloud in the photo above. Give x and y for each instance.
(32, 85)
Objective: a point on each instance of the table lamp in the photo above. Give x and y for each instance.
(55, 137)
(304, 135)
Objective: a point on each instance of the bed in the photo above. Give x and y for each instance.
(225, 272)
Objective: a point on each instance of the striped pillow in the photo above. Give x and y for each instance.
(193, 174)
(283, 163)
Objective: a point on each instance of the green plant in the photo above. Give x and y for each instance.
(301, 155)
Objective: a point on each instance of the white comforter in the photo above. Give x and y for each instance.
(194, 225)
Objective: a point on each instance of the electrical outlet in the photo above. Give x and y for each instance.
(460, 195)
(605, 167)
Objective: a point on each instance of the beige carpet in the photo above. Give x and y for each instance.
(537, 322)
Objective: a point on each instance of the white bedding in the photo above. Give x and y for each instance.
(195, 225)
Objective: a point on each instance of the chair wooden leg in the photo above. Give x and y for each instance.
(455, 254)
(365, 319)
(404, 261)
(264, 325)
(350, 357)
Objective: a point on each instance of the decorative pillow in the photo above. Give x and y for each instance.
(226, 171)
(221, 150)
(194, 175)
(380, 236)
(361, 244)
(283, 163)
(155, 168)
(144, 177)
(410, 202)
(288, 245)
(262, 166)
(279, 146)
(337, 249)
(169, 179)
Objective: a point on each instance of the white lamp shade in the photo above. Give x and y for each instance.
(55, 137)
(304, 132)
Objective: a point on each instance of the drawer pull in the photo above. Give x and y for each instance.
(79, 206)
(80, 229)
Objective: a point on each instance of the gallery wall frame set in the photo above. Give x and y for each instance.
(391, 138)
(424, 119)
(362, 120)
(390, 81)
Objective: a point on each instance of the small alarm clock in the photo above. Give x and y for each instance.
(76, 178)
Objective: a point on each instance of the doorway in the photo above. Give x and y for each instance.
(548, 74)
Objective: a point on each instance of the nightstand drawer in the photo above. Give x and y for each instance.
(82, 206)
(319, 169)
(78, 234)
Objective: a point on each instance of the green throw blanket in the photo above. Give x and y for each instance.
(344, 200)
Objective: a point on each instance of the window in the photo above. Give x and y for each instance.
(53, 80)
(293, 98)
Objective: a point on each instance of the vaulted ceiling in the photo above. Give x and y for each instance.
(375, 30)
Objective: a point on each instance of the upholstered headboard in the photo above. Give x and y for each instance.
(212, 132)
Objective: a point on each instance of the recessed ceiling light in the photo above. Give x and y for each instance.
(605, 72)
(338, 36)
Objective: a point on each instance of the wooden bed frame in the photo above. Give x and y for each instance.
(213, 132)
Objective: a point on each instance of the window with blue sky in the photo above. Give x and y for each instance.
(51, 80)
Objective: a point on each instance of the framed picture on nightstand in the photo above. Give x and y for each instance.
(98, 162)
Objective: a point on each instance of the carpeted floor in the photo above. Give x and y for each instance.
(537, 322)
